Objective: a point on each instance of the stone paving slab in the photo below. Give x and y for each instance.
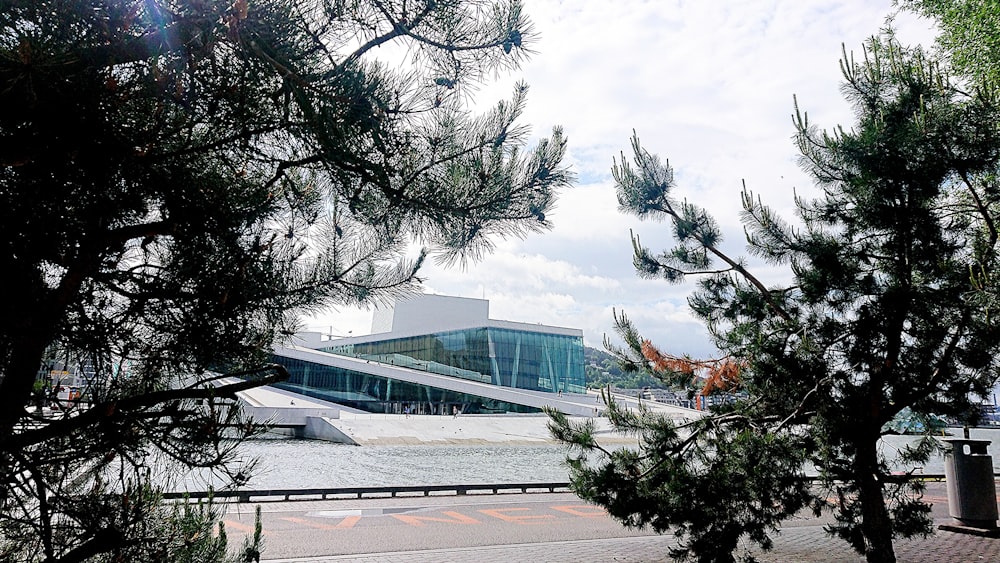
(813, 545)
(802, 544)
(646, 549)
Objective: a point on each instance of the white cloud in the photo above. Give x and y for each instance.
(503, 270)
(707, 85)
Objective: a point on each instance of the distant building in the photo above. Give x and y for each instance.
(67, 380)
(433, 354)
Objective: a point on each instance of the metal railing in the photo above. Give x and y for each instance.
(264, 495)
(336, 493)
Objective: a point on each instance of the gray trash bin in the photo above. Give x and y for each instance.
(968, 470)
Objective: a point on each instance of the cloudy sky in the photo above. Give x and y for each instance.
(708, 85)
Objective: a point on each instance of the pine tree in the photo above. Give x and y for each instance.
(891, 305)
(180, 180)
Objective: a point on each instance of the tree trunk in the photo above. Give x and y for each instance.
(31, 323)
(876, 526)
(16, 385)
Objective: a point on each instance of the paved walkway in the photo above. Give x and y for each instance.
(800, 541)
(802, 544)
(812, 544)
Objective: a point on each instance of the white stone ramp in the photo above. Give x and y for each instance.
(273, 397)
(284, 409)
(510, 429)
(319, 419)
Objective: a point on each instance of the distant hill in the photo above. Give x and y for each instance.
(602, 370)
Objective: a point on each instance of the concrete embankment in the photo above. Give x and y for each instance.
(390, 429)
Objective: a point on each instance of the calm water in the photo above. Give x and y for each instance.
(286, 463)
(312, 464)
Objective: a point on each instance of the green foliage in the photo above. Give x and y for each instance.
(181, 180)
(139, 526)
(601, 378)
(713, 482)
(602, 369)
(970, 34)
(890, 306)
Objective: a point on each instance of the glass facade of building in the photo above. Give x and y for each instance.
(372, 393)
(501, 356)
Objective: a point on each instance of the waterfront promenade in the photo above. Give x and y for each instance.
(537, 527)
(798, 546)
(510, 528)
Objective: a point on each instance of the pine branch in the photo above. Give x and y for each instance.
(981, 208)
(130, 405)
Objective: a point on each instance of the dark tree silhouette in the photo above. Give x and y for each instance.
(891, 305)
(180, 180)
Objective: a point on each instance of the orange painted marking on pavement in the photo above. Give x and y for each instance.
(242, 527)
(348, 522)
(582, 510)
(305, 522)
(456, 518)
(521, 519)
